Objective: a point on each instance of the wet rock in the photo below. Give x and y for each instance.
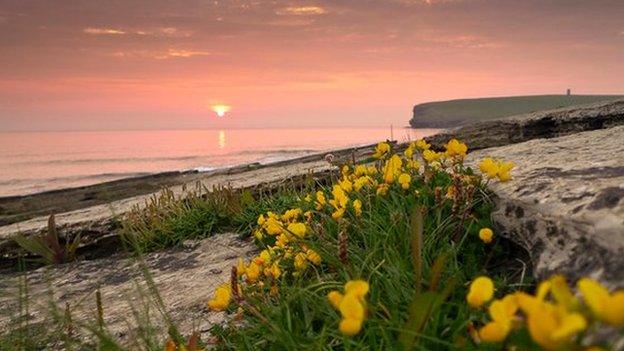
(565, 204)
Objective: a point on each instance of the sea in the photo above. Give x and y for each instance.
(33, 162)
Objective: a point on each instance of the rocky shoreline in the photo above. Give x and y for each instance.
(564, 206)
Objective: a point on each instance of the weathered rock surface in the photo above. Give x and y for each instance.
(185, 279)
(565, 204)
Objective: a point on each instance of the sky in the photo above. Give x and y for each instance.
(161, 64)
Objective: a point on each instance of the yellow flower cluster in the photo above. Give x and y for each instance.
(351, 305)
(285, 233)
(554, 316)
(351, 181)
(286, 238)
(493, 168)
(455, 148)
(381, 150)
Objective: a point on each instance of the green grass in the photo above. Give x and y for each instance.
(405, 312)
(454, 112)
(167, 220)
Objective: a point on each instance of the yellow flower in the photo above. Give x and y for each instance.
(258, 234)
(340, 198)
(240, 267)
(360, 170)
(350, 326)
(339, 213)
(504, 171)
(560, 290)
(422, 144)
(273, 226)
(381, 150)
(606, 307)
(351, 305)
(481, 291)
(357, 287)
(345, 170)
(392, 168)
(360, 182)
(334, 298)
(413, 164)
(489, 167)
(275, 270)
(551, 326)
(486, 235)
(409, 152)
(502, 313)
(261, 220)
(382, 189)
(431, 156)
(282, 240)
(265, 257)
(352, 311)
(308, 215)
(292, 214)
(346, 185)
(357, 207)
(221, 299)
(456, 148)
(301, 262)
(252, 272)
(404, 180)
(298, 229)
(320, 200)
(313, 257)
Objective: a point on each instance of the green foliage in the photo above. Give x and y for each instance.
(48, 247)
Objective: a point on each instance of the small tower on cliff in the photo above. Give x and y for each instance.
(568, 92)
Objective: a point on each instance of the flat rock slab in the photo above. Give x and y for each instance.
(565, 204)
(184, 277)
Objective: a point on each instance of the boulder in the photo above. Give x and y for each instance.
(565, 204)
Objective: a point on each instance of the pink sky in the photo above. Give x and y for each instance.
(155, 64)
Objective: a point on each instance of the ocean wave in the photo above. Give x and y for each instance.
(73, 178)
(158, 158)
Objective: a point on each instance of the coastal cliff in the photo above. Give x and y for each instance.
(453, 113)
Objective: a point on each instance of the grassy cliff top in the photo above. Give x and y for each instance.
(444, 114)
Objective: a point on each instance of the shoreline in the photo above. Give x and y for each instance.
(17, 208)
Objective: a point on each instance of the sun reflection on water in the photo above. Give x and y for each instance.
(221, 139)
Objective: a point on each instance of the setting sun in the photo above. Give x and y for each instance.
(220, 110)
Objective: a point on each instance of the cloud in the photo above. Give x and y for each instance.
(301, 11)
(464, 42)
(171, 32)
(177, 53)
(166, 32)
(103, 31)
(160, 55)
